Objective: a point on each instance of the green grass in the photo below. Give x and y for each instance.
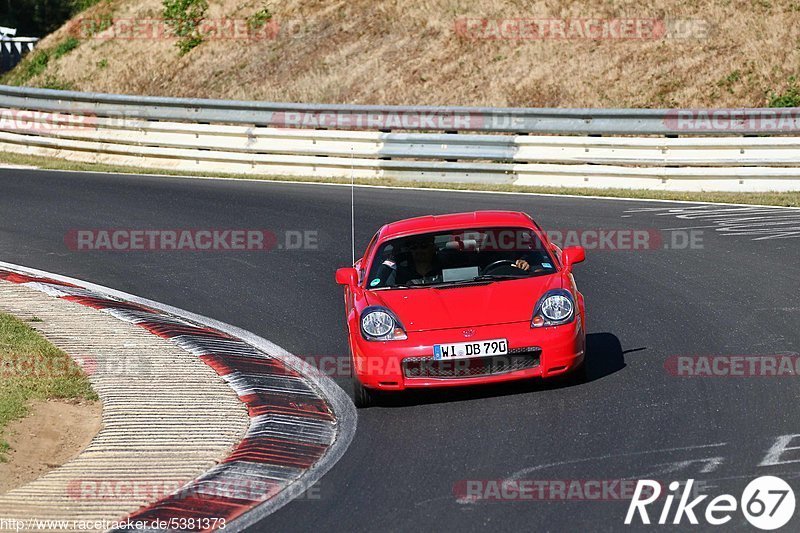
(789, 97)
(33, 369)
(64, 47)
(82, 5)
(258, 19)
(31, 66)
(730, 80)
(785, 199)
(184, 17)
(52, 82)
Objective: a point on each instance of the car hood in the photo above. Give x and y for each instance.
(499, 302)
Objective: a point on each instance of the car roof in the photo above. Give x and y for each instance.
(474, 219)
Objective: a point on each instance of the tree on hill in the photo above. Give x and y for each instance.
(37, 18)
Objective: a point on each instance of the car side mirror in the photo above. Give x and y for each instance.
(347, 276)
(572, 255)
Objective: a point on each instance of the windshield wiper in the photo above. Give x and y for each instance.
(495, 277)
(484, 277)
(469, 281)
(400, 287)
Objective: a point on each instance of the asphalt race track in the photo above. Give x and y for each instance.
(734, 293)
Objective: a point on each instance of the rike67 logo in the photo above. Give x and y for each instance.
(767, 502)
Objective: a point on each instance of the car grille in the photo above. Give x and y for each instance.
(516, 360)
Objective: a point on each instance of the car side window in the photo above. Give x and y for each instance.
(367, 253)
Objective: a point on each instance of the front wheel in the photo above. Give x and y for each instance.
(578, 376)
(362, 396)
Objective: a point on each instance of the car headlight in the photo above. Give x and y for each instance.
(380, 324)
(555, 308)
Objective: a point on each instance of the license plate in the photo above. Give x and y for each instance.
(465, 350)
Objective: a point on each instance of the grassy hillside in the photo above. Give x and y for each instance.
(410, 52)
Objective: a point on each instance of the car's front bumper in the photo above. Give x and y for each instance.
(380, 365)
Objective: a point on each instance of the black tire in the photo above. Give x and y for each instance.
(579, 375)
(574, 377)
(362, 396)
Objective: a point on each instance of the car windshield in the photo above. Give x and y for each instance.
(460, 256)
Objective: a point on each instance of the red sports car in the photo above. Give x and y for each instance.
(462, 299)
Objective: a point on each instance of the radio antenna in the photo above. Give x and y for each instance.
(352, 206)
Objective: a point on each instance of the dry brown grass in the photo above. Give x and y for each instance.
(407, 52)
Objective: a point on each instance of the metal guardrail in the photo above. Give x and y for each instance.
(220, 136)
(415, 118)
(12, 48)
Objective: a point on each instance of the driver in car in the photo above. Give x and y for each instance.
(423, 266)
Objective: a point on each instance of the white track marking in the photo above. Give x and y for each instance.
(779, 448)
(528, 470)
(709, 464)
(760, 223)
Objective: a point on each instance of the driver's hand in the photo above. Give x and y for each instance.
(521, 263)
